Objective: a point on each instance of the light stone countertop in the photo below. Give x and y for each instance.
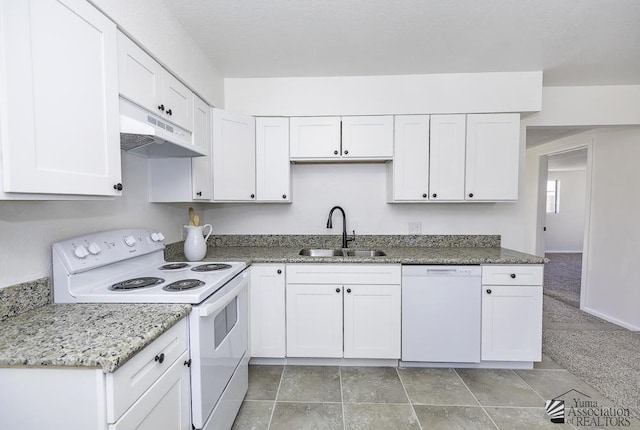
(399, 255)
(84, 335)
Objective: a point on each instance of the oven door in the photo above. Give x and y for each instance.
(218, 332)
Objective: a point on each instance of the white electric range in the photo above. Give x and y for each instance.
(128, 266)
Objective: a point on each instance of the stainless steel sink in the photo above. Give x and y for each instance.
(321, 252)
(364, 253)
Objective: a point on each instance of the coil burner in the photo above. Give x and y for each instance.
(185, 284)
(211, 267)
(174, 266)
(135, 283)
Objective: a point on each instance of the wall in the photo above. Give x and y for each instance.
(28, 229)
(609, 288)
(371, 95)
(150, 23)
(565, 229)
(612, 290)
(361, 190)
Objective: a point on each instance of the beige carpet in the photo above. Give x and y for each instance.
(604, 355)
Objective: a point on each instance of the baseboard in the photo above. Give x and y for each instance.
(481, 365)
(564, 252)
(362, 362)
(610, 319)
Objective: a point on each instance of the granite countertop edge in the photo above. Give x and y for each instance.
(77, 335)
(404, 255)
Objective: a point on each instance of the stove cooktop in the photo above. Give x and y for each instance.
(165, 283)
(128, 266)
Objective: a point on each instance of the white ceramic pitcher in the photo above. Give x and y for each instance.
(195, 245)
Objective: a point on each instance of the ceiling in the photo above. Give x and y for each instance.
(574, 42)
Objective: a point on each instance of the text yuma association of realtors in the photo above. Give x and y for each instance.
(589, 414)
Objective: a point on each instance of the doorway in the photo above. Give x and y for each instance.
(564, 224)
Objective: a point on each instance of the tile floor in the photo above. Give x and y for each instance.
(386, 398)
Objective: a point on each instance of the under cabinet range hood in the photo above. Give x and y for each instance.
(146, 134)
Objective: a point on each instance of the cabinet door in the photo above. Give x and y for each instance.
(234, 156)
(367, 137)
(372, 321)
(267, 310)
(493, 156)
(314, 137)
(314, 320)
(273, 168)
(59, 113)
(166, 405)
(511, 323)
(201, 166)
(447, 157)
(178, 101)
(139, 75)
(411, 158)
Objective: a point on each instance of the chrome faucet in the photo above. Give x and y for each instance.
(345, 239)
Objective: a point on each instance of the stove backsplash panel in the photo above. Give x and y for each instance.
(20, 298)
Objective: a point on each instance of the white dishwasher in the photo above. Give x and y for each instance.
(441, 313)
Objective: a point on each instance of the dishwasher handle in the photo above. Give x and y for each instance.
(440, 271)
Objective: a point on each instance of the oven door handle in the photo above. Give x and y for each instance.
(212, 308)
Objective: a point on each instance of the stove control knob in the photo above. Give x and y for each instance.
(155, 237)
(160, 236)
(94, 248)
(130, 240)
(80, 252)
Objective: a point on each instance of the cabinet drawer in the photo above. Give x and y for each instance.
(165, 405)
(129, 382)
(343, 274)
(529, 274)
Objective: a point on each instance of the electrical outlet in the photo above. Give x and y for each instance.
(184, 232)
(415, 227)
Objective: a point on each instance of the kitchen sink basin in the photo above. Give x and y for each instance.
(364, 253)
(321, 252)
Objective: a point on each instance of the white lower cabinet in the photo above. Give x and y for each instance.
(267, 310)
(512, 313)
(314, 320)
(372, 321)
(166, 405)
(150, 391)
(350, 311)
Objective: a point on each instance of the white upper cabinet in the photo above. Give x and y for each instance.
(145, 82)
(341, 138)
(58, 99)
(140, 76)
(447, 157)
(315, 138)
(233, 153)
(455, 157)
(202, 188)
(492, 161)
(410, 167)
(273, 168)
(367, 137)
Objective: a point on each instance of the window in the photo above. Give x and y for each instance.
(553, 197)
